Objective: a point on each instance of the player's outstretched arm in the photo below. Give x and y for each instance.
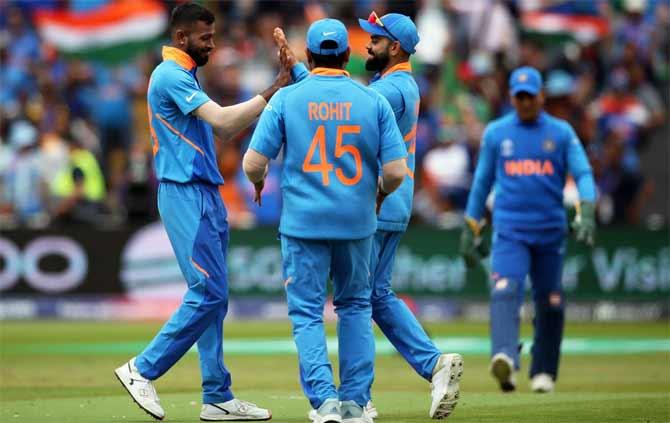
(229, 121)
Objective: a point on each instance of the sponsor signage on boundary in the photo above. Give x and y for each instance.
(628, 264)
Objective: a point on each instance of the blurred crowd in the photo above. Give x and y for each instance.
(74, 141)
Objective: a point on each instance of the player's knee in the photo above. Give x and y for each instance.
(552, 301)
(505, 289)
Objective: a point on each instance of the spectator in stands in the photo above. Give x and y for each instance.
(79, 189)
(26, 189)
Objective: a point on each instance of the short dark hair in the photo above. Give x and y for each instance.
(335, 61)
(189, 13)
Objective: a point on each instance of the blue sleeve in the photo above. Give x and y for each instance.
(181, 88)
(484, 177)
(299, 72)
(580, 169)
(269, 134)
(392, 146)
(392, 94)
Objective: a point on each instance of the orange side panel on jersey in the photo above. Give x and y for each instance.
(191, 143)
(154, 145)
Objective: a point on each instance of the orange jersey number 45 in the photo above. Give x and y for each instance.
(324, 167)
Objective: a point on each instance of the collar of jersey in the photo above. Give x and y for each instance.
(329, 72)
(181, 57)
(400, 67)
(540, 119)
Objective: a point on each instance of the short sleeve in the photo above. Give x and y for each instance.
(392, 146)
(269, 133)
(182, 88)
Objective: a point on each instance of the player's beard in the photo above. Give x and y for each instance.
(377, 62)
(200, 57)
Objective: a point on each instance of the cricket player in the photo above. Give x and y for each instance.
(528, 154)
(181, 120)
(393, 38)
(335, 133)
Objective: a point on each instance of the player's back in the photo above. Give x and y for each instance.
(400, 89)
(333, 142)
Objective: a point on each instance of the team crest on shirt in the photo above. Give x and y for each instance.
(548, 146)
(507, 147)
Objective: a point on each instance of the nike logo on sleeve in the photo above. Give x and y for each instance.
(189, 98)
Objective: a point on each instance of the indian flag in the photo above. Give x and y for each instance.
(113, 32)
(565, 26)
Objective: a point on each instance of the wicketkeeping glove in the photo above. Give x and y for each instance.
(473, 246)
(584, 225)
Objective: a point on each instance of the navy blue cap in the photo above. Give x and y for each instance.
(396, 27)
(525, 79)
(327, 30)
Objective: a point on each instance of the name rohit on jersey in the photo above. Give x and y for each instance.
(329, 111)
(527, 167)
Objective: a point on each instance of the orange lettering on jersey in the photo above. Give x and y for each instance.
(312, 111)
(347, 110)
(323, 111)
(329, 111)
(528, 167)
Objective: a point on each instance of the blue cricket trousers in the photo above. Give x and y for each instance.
(392, 315)
(195, 220)
(307, 265)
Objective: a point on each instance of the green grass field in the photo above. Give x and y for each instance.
(63, 372)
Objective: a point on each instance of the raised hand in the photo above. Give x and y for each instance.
(280, 40)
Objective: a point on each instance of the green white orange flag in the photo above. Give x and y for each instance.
(113, 32)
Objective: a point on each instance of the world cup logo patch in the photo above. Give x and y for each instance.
(507, 148)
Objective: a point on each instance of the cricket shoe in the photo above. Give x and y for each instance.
(141, 390)
(371, 410)
(542, 383)
(502, 368)
(329, 412)
(234, 410)
(445, 389)
(354, 413)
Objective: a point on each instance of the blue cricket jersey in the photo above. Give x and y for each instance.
(183, 144)
(398, 86)
(334, 132)
(528, 162)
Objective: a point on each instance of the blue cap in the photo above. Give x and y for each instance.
(559, 83)
(327, 30)
(398, 28)
(525, 79)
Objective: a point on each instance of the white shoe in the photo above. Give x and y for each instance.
(141, 390)
(371, 410)
(329, 412)
(444, 385)
(502, 368)
(354, 413)
(542, 383)
(233, 410)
